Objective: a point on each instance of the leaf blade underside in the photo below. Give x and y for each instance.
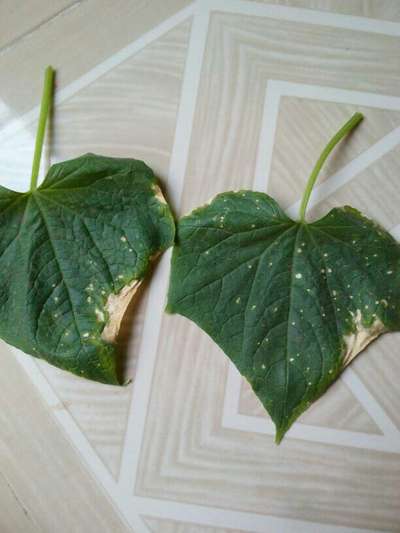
(290, 303)
(92, 227)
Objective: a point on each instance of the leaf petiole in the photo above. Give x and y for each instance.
(344, 130)
(41, 129)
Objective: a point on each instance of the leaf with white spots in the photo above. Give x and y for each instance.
(291, 303)
(72, 254)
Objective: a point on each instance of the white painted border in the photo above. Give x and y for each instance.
(129, 506)
(302, 15)
(158, 288)
(99, 70)
(121, 501)
(232, 418)
(223, 518)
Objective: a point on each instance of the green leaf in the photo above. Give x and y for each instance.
(72, 253)
(290, 303)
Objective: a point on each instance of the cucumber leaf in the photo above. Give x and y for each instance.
(72, 253)
(291, 303)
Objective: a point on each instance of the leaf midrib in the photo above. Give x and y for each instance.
(289, 321)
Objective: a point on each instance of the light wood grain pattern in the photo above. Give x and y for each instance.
(18, 20)
(379, 369)
(172, 526)
(41, 468)
(297, 148)
(374, 191)
(187, 455)
(74, 43)
(243, 53)
(378, 9)
(131, 111)
(337, 409)
(14, 518)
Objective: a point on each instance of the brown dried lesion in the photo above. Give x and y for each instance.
(158, 194)
(358, 340)
(115, 306)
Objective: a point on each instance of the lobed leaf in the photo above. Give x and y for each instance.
(69, 249)
(290, 303)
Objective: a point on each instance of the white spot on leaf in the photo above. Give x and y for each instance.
(99, 315)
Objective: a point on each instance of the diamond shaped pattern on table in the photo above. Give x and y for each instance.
(186, 453)
(337, 409)
(297, 148)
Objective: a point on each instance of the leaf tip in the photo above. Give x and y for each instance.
(280, 433)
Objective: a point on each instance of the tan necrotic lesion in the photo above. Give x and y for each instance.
(360, 337)
(115, 306)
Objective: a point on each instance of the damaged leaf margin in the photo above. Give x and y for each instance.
(72, 253)
(290, 302)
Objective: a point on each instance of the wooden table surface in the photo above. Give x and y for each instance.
(213, 95)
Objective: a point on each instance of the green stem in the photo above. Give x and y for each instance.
(41, 129)
(344, 130)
